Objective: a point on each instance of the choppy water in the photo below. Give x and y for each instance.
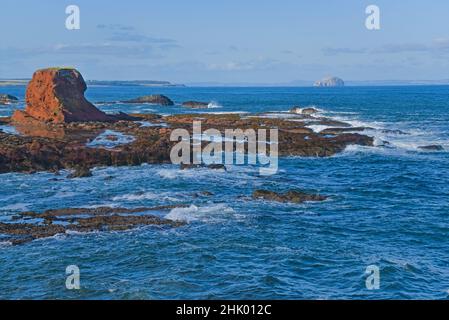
(388, 206)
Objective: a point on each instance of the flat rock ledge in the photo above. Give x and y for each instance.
(57, 146)
(60, 221)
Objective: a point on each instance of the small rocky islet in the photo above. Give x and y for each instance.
(6, 99)
(58, 123)
(151, 99)
(329, 82)
(195, 104)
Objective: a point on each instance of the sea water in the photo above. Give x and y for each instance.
(388, 206)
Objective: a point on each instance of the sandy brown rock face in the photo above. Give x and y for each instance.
(56, 95)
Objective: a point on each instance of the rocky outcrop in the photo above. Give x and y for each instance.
(195, 104)
(152, 99)
(7, 99)
(56, 95)
(329, 82)
(52, 147)
(290, 196)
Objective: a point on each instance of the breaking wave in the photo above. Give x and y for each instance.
(212, 213)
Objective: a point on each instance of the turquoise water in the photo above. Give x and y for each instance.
(388, 206)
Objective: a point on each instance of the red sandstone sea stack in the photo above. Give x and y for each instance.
(56, 95)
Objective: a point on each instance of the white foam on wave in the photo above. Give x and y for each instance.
(99, 205)
(152, 124)
(228, 112)
(17, 206)
(169, 173)
(9, 129)
(145, 196)
(392, 136)
(212, 213)
(4, 244)
(214, 105)
(275, 115)
(110, 139)
(193, 173)
(317, 128)
(65, 194)
(360, 123)
(299, 110)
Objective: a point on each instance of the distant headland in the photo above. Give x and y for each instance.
(143, 83)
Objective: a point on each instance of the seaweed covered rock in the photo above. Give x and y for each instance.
(290, 196)
(80, 172)
(195, 104)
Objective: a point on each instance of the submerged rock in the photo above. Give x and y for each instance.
(7, 99)
(153, 99)
(290, 196)
(336, 131)
(399, 132)
(80, 172)
(433, 147)
(185, 166)
(56, 95)
(195, 104)
(329, 82)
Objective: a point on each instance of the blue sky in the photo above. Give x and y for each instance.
(228, 41)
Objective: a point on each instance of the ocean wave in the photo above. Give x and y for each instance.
(99, 205)
(110, 139)
(391, 136)
(319, 110)
(214, 105)
(317, 128)
(275, 115)
(152, 124)
(9, 129)
(4, 244)
(212, 213)
(228, 112)
(145, 196)
(194, 173)
(17, 207)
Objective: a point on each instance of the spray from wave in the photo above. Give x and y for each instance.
(214, 105)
